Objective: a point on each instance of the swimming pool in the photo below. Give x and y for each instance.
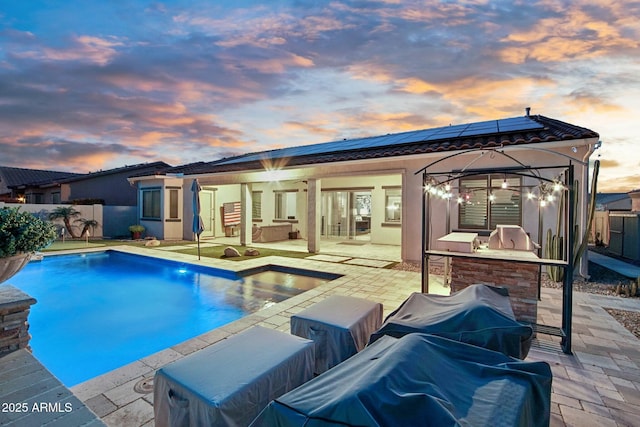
(100, 311)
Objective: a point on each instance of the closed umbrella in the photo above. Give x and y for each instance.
(198, 225)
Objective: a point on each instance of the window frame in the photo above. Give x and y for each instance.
(395, 193)
(492, 186)
(156, 204)
(280, 210)
(256, 205)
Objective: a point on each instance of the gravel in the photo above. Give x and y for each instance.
(601, 281)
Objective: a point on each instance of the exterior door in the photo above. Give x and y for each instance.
(346, 215)
(208, 213)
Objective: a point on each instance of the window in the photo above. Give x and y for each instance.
(285, 205)
(489, 200)
(151, 203)
(393, 204)
(173, 204)
(55, 198)
(256, 205)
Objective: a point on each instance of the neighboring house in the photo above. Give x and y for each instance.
(635, 199)
(608, 204)
(371, 189)
(31, 185)
(110, 187)
(613, 202)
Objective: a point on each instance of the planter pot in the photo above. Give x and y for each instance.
(11, 265)
(136, 235)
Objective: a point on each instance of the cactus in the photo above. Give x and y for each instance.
(577, 254)
(554, 248)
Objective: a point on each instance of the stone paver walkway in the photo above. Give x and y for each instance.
(599, 385)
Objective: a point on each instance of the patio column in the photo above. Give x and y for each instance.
(313, 215)
(245, 214)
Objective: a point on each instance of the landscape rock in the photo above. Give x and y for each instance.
(251, 252)
(152, 243)
(230, 252)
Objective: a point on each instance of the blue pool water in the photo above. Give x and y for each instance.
(100, 311)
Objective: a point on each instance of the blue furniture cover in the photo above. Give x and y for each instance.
(339, 325)
(479, 315)
(231, 381)
(419, 380)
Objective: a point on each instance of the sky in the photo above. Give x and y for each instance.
(88, 85)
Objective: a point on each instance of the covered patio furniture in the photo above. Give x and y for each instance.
(479, 315)
(339, 325)
(231, 381)
(419, 380)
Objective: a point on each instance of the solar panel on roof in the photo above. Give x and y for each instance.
(433, 134)
(414, 136)
(518, 123)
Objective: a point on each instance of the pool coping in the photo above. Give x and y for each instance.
(124, 396)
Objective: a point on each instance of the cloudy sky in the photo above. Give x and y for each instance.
(93, 84)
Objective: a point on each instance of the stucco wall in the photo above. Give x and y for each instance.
(93, 212)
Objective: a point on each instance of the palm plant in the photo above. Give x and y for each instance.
(65, 214)
(86, 225)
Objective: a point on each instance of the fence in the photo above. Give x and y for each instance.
(624, 233)
(113, 221)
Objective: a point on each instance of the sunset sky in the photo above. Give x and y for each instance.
(94, 84)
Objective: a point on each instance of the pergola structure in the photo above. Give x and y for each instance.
(439, 184)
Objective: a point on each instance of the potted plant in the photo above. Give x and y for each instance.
(21, 234)
(136, 231)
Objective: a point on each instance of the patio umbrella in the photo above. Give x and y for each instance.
(198, 225)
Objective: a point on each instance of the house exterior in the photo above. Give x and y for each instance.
(371, 189)
(608, 205)
(31, 185)
(109, 187)
(634, 195)
(613, 202)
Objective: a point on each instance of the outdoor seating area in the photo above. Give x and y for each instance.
(479, 315)
(271, 233)
(416, 380)
(340, 327)
(232, 381)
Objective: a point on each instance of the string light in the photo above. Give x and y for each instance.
(544, 193)
(557, 186)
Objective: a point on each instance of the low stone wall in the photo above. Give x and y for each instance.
(14, 311)
(521, 279)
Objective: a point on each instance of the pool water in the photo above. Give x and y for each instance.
(97, 312)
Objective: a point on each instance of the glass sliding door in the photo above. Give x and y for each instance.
(346, 214)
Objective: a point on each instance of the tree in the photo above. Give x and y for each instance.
(86, 224)
(65, 214)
